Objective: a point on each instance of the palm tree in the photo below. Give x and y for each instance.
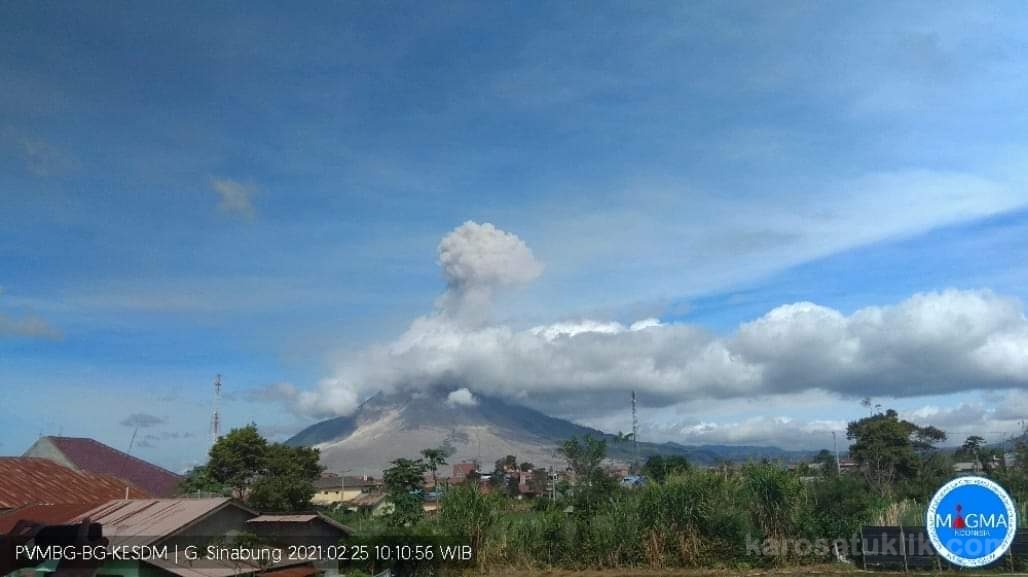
(434, 458)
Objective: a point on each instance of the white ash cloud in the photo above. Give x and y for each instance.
(930, 343)
(462, 397)
(476, 260)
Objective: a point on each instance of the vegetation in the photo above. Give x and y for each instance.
(659, 468)
(686, 516)
(267, 476)
(403, 483)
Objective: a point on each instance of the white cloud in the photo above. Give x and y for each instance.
(778, 431)
(235, 198)
(462, 398)
(930, 343)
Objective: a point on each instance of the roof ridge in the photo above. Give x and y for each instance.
(120, 452)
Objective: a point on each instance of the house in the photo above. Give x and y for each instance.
(309, 529)
(963, 468)
(27, 481)
(89, 455)
(462, 471)
(330, 490)
(181, 523)
(373, 503)
(53, 514)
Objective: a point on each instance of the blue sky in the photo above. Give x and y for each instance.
(189, 189)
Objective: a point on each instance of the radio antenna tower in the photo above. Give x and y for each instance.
(635, 431)
(215, 418)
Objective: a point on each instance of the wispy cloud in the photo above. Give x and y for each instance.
(29, 326)
(235, 198)
(43, 159)
(142, 420)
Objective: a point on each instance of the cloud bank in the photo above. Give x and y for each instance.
(930, 343)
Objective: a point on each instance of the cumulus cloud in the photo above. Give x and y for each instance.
(462, 398)
(234, 197)
(930, 343)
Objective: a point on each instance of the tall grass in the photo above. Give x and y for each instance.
(698, 518)
(906, 513)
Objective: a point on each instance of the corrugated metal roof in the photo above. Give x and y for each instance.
(93, 456)
(42, 515)
(145, 521)
(336, 482)
(300, 518)
(31, 481)
(210, 568)
(307, 518)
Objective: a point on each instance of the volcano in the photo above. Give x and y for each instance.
(399, 425)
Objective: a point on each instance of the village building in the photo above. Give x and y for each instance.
(92, 456)
(332, 490)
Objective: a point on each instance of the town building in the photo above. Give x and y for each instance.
(332, 490)
(92, 456)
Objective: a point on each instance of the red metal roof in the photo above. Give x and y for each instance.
(42, 514)
(30, 481)
(96, 457)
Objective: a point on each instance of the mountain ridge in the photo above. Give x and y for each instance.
(390, 426)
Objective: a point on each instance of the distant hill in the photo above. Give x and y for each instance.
(387, 427)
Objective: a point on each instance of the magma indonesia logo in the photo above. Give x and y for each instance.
(971, 521)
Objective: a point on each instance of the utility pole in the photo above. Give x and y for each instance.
(838, 464)
(215, 418)
(635, 435)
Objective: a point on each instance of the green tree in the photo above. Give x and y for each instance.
(199, 480)
(590, 481)
(404, 482)
(826, 462)
(435, 458)
(238, 459)
(659, 467)
(288, 480)
(887, 447)
(266, 476)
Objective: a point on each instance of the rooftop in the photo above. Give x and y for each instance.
(146, 521)
(93, 456)
(42, 515)
(30, 481)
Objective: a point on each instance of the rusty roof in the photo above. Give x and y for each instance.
(31, 481)
(42, 515)
(146, 521)
(300, 518)
(336, 482)
(93, 456)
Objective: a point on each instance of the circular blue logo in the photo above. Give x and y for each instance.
(971, 521)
